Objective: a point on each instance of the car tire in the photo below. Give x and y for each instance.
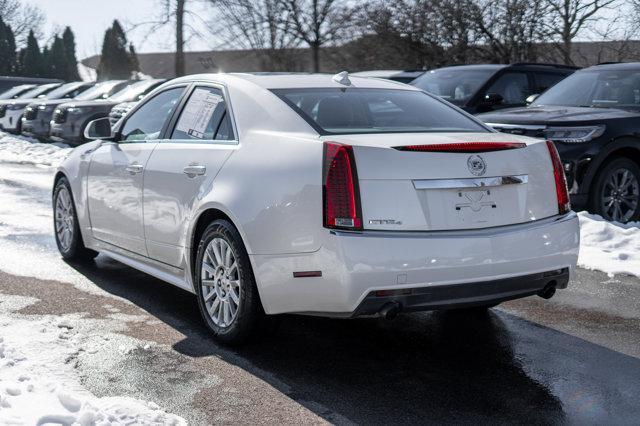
(66, 226)
(615, 194)
(225, 285)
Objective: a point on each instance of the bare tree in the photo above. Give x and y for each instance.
(260, 25)
(510, 29)
(22, 17)
(566, 19)
(179, 15)
(318, 22)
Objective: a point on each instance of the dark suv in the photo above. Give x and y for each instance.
(593, 117)
(483, 88)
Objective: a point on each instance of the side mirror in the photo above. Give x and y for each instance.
(492, 99)
(99, 129)
(532, 98)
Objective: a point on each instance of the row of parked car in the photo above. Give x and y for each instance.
(592, 115)
(60, 111)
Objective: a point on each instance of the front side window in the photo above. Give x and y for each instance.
(204, 117)
(512, 86)
(355, 110)
(596, 88)
(147, 122)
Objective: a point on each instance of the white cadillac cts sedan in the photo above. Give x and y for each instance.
(313, 194)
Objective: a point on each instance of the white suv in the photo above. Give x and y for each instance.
(318, 195)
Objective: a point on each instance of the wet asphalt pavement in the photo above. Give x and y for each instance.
(572, 359)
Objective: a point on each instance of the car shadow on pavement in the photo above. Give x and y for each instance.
(429, 367)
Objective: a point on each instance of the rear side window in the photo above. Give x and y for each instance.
(356, 110)
(204, 117)
(147, 122)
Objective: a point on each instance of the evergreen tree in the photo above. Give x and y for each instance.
(69, 41)
(45, 71)
(32, 62)
(7, 50)
(133, 58)
(57, 64)
(115, 60)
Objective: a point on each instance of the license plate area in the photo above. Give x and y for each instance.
(473, 203)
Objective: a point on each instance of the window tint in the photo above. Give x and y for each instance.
(595, 87)
(546, 80)
(512, 86)
(355, 110)
(456, 85)
(204, 117)
(146, 123)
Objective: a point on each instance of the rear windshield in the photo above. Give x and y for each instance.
(356, 110)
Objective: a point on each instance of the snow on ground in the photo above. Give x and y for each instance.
(20, 149)
(38, 384)
(613, 248)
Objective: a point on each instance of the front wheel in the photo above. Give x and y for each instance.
(66, 226)
(616, 193)
(226, 289)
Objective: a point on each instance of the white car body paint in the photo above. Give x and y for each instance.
(269, 183)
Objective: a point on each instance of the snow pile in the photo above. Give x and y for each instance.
(38, 383)
(19, 149)
(610, 247)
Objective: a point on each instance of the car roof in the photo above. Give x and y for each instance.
(294, 80)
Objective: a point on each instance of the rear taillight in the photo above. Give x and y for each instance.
(464, 147)
(564, 204)
(340, 188)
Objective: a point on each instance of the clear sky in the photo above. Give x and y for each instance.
(90, 18)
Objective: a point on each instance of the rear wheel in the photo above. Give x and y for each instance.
(616, 193)
(226, 289)
(66, 226)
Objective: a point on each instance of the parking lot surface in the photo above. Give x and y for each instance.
(572, 359)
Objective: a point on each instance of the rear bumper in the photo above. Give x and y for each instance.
(452, 266)
(463, 295)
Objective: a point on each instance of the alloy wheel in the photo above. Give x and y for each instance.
(220, 281)
(64, 219)
(620, 195)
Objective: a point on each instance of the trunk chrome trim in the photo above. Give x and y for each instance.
(470, 183)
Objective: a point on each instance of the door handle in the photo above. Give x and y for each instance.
(134, 169)
(193, 170)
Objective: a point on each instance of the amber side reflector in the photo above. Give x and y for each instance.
(463, 147)
(307, 274)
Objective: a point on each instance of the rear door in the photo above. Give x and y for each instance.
(115, 176)
(182, 168)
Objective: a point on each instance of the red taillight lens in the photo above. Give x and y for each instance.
(341, 195)
(564, 204)
(464, 147)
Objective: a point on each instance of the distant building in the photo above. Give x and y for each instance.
(363, 54)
